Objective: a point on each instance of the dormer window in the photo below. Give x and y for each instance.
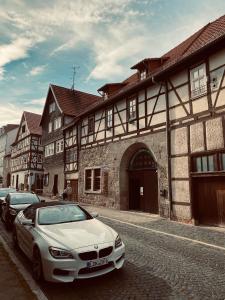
(143, 74)
(105, 96)
(51, 107)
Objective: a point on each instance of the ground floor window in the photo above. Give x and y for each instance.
(212, 162)
(93, 180)
(46, 179)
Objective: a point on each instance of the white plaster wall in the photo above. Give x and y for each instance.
(161, 103)
(141, 109)
(181, 191)
(141, 95)
(179, 78)
(214, 134)
(217, 59)
(179, 167)
(196, 137)
(200, 105)
(177, 112)
(158, 118)
(153, 90)
(179, 143)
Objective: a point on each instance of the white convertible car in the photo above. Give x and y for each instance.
(64, 242)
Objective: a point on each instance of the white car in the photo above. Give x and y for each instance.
(64, 242)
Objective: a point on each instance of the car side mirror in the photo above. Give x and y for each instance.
(94, 214)
(28, 223)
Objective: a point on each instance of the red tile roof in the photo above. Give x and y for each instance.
(73, 102)
(33, 122)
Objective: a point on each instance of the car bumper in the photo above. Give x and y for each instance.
(68, 270)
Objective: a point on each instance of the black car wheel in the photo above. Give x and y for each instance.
(37, 265)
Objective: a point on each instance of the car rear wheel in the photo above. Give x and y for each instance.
(37, 265)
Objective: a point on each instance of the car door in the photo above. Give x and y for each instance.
(5, 208)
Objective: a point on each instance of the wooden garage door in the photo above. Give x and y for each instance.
(209, 200)
(74, 185)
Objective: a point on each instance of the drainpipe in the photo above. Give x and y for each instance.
(168, 143)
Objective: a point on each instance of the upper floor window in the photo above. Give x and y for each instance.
(198, 81)
(50, 127)
(59, 146)
(51, 107)
(49, 149)
(109, 118)
(91, 125)
(132, 109)
(23, 128)
(57, 123)
(143, 74)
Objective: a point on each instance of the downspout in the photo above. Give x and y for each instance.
(168, 143)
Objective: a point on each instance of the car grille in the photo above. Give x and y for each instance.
(88, 255)
(95, 269)
(105, 252)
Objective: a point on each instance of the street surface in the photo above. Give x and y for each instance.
(188, 263)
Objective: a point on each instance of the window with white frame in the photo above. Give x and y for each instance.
(51, 107)
(93, 180)
(132, 109)
(198, 81)
(143, 74)
(57, 123)
(59, 146)
(49, 149)
(50, 127)
(91, 125)
(109, 118)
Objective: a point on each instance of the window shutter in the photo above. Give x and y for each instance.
(105, 181)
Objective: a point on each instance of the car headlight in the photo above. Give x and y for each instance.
(60, 253)
(12, 212)
(118, 242)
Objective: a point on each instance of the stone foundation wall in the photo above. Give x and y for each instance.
(113, 158)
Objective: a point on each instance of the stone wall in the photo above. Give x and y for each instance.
(114, 158)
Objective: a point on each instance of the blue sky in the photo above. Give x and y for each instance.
(40, 41)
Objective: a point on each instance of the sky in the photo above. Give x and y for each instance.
(41, 41)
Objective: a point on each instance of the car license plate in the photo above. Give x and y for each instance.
(97, 262)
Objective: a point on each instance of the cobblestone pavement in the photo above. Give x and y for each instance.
(157, 266)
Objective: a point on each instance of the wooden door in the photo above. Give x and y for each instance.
(74, 186)
(55, 185)
(209, 200)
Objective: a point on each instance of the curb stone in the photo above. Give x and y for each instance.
(24, 273)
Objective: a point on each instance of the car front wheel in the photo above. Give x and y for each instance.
(37, 265)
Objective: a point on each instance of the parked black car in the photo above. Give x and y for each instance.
(14, 203)
(3, 193)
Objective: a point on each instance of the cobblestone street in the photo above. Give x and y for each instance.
(165, 260)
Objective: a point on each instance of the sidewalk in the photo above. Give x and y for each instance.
(12, 284)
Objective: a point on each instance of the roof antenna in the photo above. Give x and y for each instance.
(75, 68)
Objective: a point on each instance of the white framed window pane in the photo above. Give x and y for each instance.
(198, 164)
(211, 163)
(204, 164)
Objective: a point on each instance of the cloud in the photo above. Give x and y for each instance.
(40, 101)
(37, 70)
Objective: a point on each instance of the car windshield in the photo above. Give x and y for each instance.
(27, 198)
(61, 214)
(5, 192)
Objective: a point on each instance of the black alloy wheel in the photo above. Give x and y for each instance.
(37, 265)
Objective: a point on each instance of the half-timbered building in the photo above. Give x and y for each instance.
(156, 141)
(61, 107)
(27, 154)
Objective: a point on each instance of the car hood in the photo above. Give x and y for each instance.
(76, 235)
(19, 207)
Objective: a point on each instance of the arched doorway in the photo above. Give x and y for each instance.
(143, 182)
(8, 179)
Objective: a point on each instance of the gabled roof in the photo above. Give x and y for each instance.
(71, 102)
(33, 122)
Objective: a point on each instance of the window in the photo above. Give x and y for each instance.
(46, 179)
(198, 81)
(71, 155)
(105, 96)
(49, 149)
(143, 74)
(59, 146)
(57, 123)
(109, 118)
(23, 128)
(51, 107)
(91, 125)
(206, 163)
(50, 127)
(93, 180)
(132, 110)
